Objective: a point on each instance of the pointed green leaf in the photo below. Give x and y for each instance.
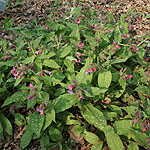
(44, 140)
(117, 35)
(28, 60)
(51, 63)
(113, 140)
(93, 116)
(104, 80)
(26, 138)
(16, 97)
(82, 78)
(91, 137)
(36, 42)
(139, 137)
(64, 102)
(49, 118)
(97, 146)
(65, 51)
(132, 146)
(55, 134)
(6, 124)
(122, 126)
(36, 122)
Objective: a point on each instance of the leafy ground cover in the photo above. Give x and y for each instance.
(72, 77)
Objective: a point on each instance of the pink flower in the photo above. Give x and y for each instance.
(79, 54)
(117, 46)
(144, 129)
(41, 110)
(130, 76)
(86, 73)
(137, 49)
(78, 21)
(24, 26)
(127, 35)
(29, 98)
(82, 44)
(12, 71)
(70, 87)
(94, 69)
(5, 58)
(133, 51)
(81, 97)
(36, 12)
(7, 52)
(70, 92)
(120, 27)
(90, 70)
(20, 77)
(111, 30)
(46, 28)
(42, 74)
(37, 52)
(50, 73)
(83, 16)
(31, 85)
(135, 120)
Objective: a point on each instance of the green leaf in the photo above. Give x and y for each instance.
(82, 78)
(92, 91)
(115, 109)
(93, 116)
(16, 97)
(139, 137)
(55, 134)
(64, 102)
(51, 63)
(104, 36)
(143, 89)
(18, 80)
(123, 85)
(122, 126)
(6, 124)
(49, 118)
(19, 119)
(1, 131)
(65, 51)
(47, 56)
(117, 61)
(117, 35)
(26, 138)
(68, 118)
(91, 137)
(36, 42)
(28, 60)
(36, 122)
(97, 146)
(132, 146)
(104, 80)
(44, 140)
(113, 140)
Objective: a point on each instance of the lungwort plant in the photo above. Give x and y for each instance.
(83, 71)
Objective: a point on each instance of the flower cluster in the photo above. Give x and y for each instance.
(146, 124)
(8, 56)
(70, 87)
(33, 90)
(137, 115)
(46, 71)
(90, 70)
(19, 70)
